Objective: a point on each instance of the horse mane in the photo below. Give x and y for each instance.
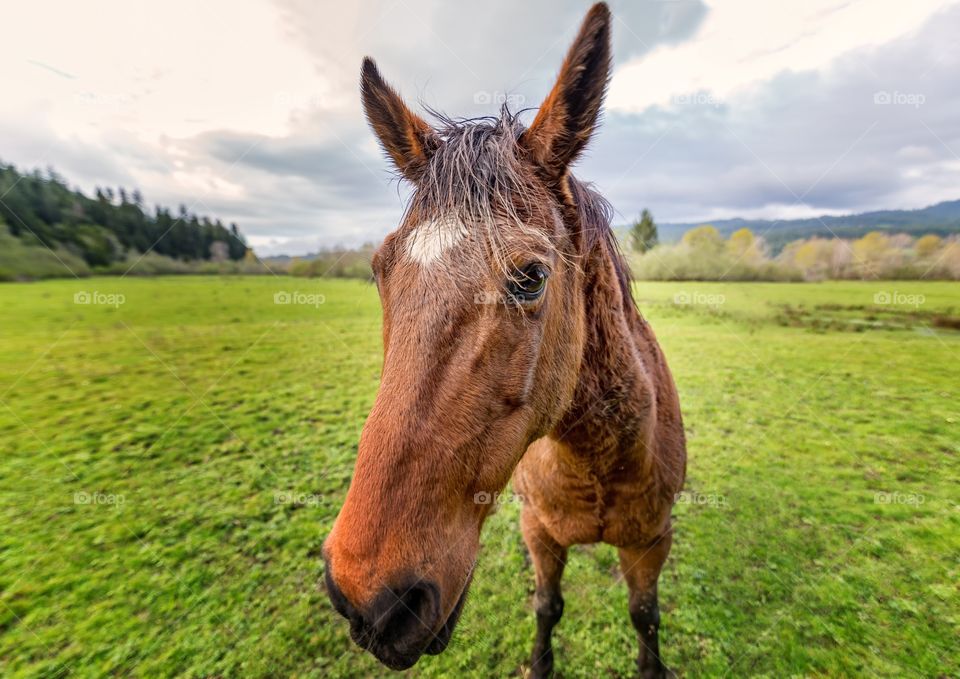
(596, 214)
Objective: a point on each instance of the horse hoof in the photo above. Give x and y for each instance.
(658, 672)
(540, 670)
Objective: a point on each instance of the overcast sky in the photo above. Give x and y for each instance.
(249, 110)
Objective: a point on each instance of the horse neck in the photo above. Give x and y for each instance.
(611, 399)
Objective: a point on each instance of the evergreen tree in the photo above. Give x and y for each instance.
(40, 209)
(643, 232)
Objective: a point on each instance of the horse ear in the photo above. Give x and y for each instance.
(567, 117)
(405, 136)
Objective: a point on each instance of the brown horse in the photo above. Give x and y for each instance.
(512, 345)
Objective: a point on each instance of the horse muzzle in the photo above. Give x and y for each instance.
(401, 623)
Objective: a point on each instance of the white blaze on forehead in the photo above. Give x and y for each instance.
(428, 242)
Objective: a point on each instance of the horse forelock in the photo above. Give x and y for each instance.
(479, 185)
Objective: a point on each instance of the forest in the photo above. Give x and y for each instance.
(40, 209)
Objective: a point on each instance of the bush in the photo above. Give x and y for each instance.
(20, 261)
(682, 262)
(153, 264)
(335, 264)
(702, 254)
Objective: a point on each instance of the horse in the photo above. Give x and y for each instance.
(512, 345)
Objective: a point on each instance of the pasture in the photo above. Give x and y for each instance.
(173, 452)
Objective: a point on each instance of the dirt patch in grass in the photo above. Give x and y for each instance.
(859, 318)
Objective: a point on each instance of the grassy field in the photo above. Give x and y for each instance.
(173, 453)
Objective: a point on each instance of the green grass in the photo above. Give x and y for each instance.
(143, 448)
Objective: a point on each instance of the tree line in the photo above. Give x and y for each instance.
(703, 254)
(40, 209)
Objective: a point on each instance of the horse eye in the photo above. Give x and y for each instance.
(528, 283)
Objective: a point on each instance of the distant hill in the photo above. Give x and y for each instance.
(941, 219)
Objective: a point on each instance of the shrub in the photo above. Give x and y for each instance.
(20, 260)
(702, 254)
(335, 264)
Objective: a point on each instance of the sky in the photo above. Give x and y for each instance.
(250, 112)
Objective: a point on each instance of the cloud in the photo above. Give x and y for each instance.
(251, 112)
(450, 55)
(742, 42)
(877, 127)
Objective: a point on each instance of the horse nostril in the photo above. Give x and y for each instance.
(406, 616)
(398, 626)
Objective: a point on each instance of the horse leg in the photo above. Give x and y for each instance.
(641, 569)
(549, 558)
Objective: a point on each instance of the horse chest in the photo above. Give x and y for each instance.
(579, 505)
